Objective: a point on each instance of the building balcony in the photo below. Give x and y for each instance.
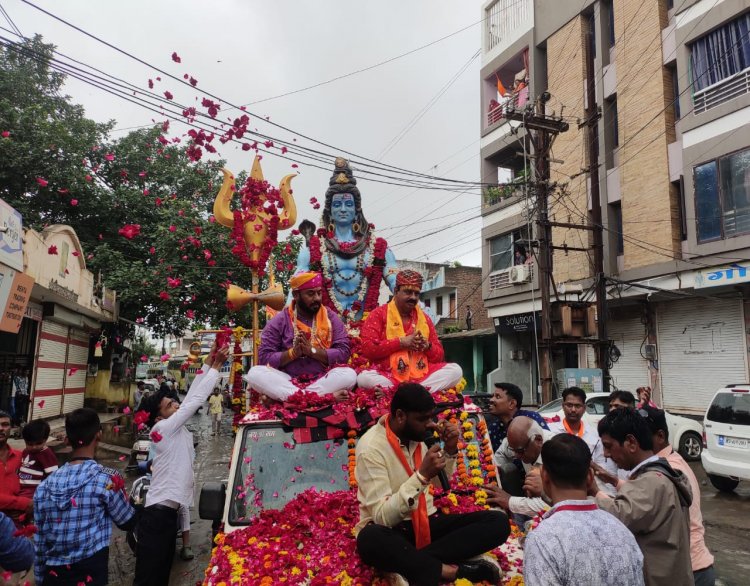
(505, 22)
(499, 196)
(723, 91)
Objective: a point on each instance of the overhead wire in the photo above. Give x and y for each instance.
(156, 104)
(426, 108)
(360, 160)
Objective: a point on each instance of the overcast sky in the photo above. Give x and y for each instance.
(248, 50)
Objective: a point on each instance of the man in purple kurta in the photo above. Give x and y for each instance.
(305, 341)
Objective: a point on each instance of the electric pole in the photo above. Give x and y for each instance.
(543, 130)
(593, 114)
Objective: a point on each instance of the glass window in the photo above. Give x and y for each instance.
(617, 226)
(597, 406)
(274, 469)
(730, 408)
(735, 192)
(501, 252)
(611, 24)
(721, 53)
(707, 205)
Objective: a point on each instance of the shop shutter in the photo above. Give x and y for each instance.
(631, 370)
(50, 371)
(701, 348)
(75, 370)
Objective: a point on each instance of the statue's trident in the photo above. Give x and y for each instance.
(260, 219)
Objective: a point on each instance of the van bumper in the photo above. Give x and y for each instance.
(721, 467)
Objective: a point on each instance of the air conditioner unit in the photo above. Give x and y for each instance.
(519, 274)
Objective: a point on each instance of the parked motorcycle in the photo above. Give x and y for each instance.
(139, 451)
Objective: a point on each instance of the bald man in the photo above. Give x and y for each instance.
(521, 491)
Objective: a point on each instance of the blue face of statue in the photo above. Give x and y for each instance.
(342, 208)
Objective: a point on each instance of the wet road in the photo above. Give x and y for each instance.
(211, 463)
(726, 516)
(727, 521)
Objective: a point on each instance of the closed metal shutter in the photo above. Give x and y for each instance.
(631, 370)
(75, 370)
(47, 397)
(701, 348)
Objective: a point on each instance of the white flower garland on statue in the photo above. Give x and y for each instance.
(369, 251)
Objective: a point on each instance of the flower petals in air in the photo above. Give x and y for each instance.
(156, 437)
(42, 182)
(164, 357)
(176, 57)
(52, 249)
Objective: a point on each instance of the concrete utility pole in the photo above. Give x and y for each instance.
(593, 114)
(545, 129)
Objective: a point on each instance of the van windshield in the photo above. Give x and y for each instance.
(273, 468)
(730, 408)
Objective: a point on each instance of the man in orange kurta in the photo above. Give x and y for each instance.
(401, 342)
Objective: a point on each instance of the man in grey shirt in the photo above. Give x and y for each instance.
(576, 543)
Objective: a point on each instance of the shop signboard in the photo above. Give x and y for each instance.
(11, 237)
(517, 323)
(18, 287)
(727, 275)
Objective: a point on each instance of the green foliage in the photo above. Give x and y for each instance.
(141, 346)
(170, 277)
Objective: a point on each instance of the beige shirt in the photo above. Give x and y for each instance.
(387, 493)
(216, 404)
(700, 557)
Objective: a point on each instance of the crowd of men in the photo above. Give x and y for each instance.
(610, 505)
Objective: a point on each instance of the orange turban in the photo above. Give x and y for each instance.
(303, 281)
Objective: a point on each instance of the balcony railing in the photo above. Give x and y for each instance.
(498, 112)
(722, 91)
(504, 20)
(499, 193)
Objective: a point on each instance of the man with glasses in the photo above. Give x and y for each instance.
(401, 342)
(521, 490)
(172, 476)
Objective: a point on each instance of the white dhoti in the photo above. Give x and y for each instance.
(278, 385)
(445, 377)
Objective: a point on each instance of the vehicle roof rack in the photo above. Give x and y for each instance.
(733, 385)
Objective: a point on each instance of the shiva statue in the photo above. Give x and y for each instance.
(345, 250)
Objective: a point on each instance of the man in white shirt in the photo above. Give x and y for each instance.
(172, 473)
(574, 406)
(523, 442)
(576, 543)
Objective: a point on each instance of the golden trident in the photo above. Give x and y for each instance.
(254, 239)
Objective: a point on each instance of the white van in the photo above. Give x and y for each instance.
(726, 457)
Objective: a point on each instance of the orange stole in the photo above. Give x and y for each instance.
(406, 365)
(419, 518)
(323, 331)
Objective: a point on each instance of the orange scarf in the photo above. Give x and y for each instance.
(419, 518)
(570, 431)
(406, 365)
(320, 335)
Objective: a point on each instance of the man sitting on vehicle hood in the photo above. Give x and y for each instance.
(74, 508)
(172, 477)
(400, 530)
(304, 340)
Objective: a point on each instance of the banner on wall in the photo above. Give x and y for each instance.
(15, 291)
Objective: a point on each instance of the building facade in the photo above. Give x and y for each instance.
(672, 82)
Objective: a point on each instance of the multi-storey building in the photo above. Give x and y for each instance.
(672, 80)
